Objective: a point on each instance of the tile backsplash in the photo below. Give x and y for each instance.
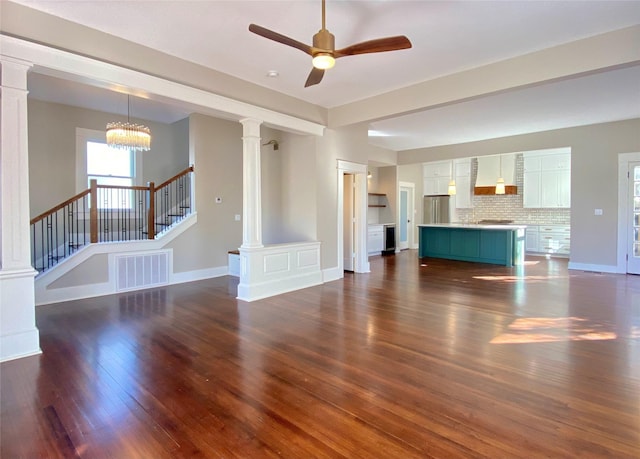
(509, 207)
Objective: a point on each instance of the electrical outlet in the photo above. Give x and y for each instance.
(597, 212)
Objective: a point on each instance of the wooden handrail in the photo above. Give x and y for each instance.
(115, 187)
(53, 210)
(71, 225)
(123, 187)
(175, 177)
(92, 192)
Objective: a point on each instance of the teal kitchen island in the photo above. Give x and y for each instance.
(495, 244)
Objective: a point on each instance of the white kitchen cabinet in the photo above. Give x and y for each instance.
(555, 189)
(462, 176)
(375, 239)
(548, 239)
(531, 239)
(436, 177)
(554, 240)
(547, 180)
(437, 169)
(531, 189)
(433, 185)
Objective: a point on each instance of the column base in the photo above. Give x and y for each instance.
(277, 269)
(19, 336)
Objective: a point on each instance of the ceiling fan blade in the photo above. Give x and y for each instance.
(375, 46)
(314, 77)
(275, 36)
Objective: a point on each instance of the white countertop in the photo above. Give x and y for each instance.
(474, 226)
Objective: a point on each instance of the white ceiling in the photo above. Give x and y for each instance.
(447, 37)
(598, 98)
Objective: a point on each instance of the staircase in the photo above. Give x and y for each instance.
(107, 213)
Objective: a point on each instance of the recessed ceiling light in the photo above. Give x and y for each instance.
(272, 74)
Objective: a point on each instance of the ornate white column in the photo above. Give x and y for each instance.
(18, 333)
(251, 188)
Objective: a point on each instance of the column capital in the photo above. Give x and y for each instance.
(13, 74)
(250, 127)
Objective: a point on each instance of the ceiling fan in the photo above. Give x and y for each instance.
(324, 52)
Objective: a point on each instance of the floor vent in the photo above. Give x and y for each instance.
(139, 271)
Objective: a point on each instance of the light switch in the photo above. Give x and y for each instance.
(237, 217)
(218, 200)
(597, 212)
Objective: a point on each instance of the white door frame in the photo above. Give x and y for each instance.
(411, 212)
(623, 205)
(348, 235)
(361, 260)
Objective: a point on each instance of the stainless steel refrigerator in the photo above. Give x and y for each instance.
(436, 209)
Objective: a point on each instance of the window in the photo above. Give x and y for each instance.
(108, 166)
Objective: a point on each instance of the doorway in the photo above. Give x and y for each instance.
(358, 172)
(348, 230)
(633, 219)
(406, 215)
(628, 256)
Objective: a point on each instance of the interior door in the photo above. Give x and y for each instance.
(348, 222)
(633, 221)
(406, 215)
(403, 236)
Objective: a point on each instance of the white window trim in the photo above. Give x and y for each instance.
(87, 135)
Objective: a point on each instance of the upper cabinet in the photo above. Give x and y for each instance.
(436, 177)
(547, 179)
(462, 176)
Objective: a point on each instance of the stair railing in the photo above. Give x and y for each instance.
(170, 202)
(108, 213)
(59, 232)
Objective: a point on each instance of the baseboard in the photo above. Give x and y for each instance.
(199, 274)
(331, 274)
(611, 269)
(20, 344)
(81, 292)
(277, 287)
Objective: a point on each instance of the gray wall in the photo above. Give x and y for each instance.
(52, 150)
(412, 173)
(271, 186)
(594, 177)
(216, 152)
(299, 189)
(288, 188)
(349, 144)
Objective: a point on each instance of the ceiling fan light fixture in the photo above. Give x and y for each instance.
(323, 61)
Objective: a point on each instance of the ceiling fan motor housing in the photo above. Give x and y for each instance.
(324, 41)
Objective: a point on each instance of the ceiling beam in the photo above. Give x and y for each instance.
(599, 53)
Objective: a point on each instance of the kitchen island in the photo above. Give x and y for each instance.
(495, 244)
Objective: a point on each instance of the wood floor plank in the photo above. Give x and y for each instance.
(418, 359)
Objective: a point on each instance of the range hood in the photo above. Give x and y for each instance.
(489, 169)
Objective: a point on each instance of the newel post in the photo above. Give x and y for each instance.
(151, 226)
(93, 213)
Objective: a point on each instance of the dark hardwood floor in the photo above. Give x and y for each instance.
(415, 360)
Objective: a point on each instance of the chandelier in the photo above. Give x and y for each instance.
(128, 136)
